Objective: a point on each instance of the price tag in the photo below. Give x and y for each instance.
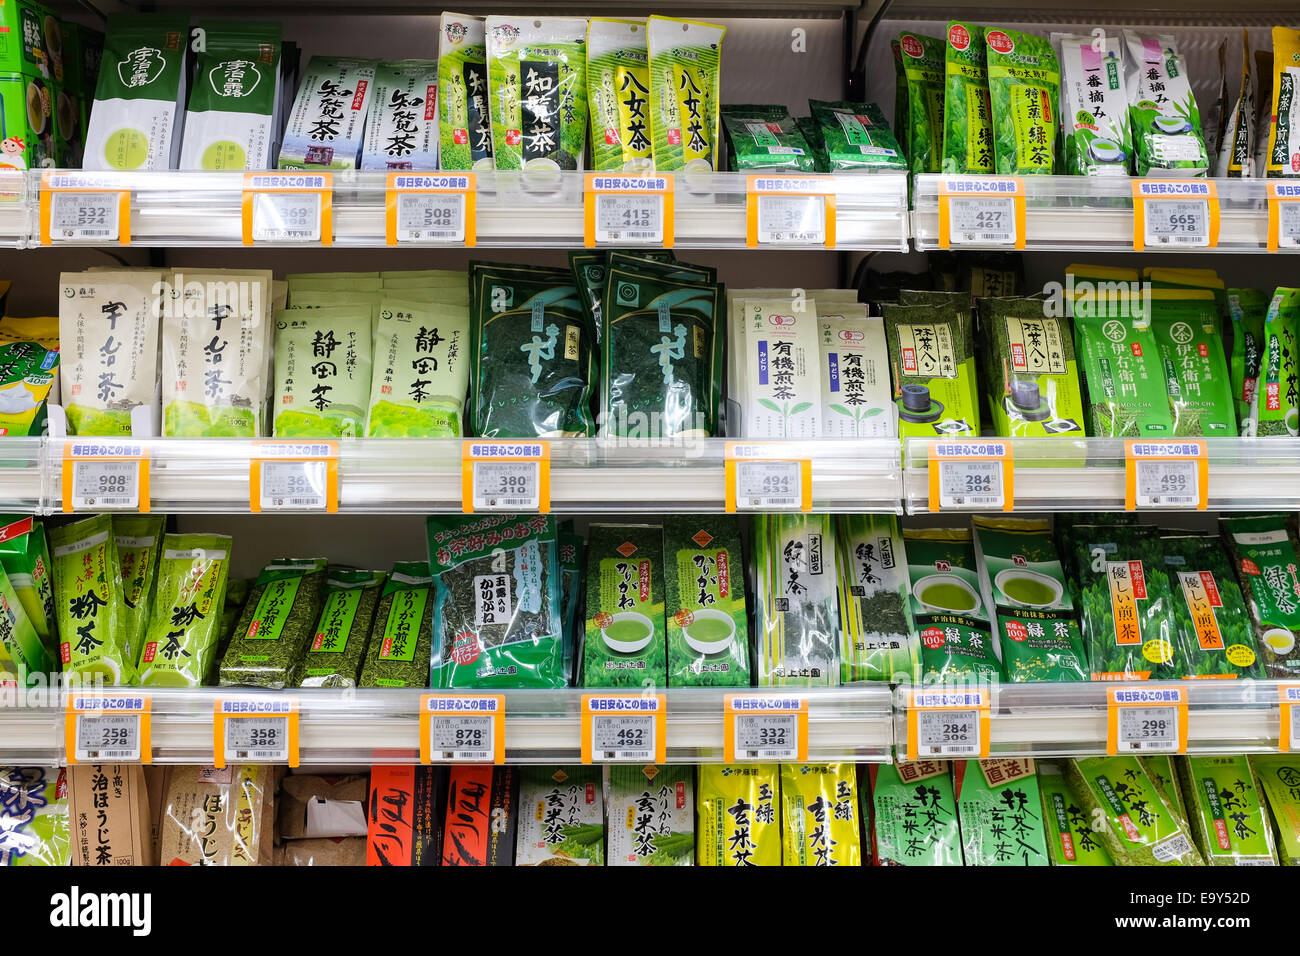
(971, 475)
(1143, 719)
(758, 480)
(462, 728)
(790, 210)
(103, 728)
(294, 476)
(258, 729)
(431, 207)
(947, 723)
(764, 727)
(1283, 216)
(1175, 213)
(628, 210)
(288, 207)
(84, 207)
(1289, 736)
(981, 211)
(624, 727)
(1166, 474)
(506, 476)
(105, 475)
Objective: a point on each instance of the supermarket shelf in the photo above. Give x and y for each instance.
(17, 208)
(1088, 474)
(22, 467)
(366, 727)
(617, 8)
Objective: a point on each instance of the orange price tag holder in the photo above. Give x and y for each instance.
(1175, 214)
(1283, 215)
(628, 210)
(1166, 474)
(512, 476)
(84, 207)
(624, 728)
(288, 207)
(1288, 740)
(765, 727)
(105, 474)
(1144, 719)
(294, 476)
(107, 727)
(431, 208)
(982, 211)
(972, 475)
(255, 729)
(947, 724)
(789, 210)
(758, 478)
(463, 728)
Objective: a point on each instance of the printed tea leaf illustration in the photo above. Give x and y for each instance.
(768, 403)
(801, 407)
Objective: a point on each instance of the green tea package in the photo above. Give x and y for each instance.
(819, 815)
(1095, 123)
(1186, 325)
(27, 374)
(561, 817)
(275, 627)
(1071, 839)
(1276, 409)
(947, 609)
(1283, 157)
(685, 75)
(738, 815)
(402, 127)
(572, 550)
(1247, 308)
(1024, 85)
(537, 81)
(812, 135)
(231, 122)
(954, 302)
(25, 558)
(1167, 137)
(704, 602)
(1226, 811)
(23, 656)
(589, 270)
(967, 112)
(88, 601)
(530, 354)
(651, 813)
(1266, 556)
(625, 642)
(915, 814)
(1160, 768)
(618, 90)
(400, 648)
(923, 71)
(1030, 373)
(138, 540)
(1023, 583)
(184, 626)
(857, 396)
(796, 611)
(464, 123)
(420, 375)
(136, 123)
(765, 137)
(1277, 778)
(1127, 392)
(877, 640)
(338, 648)
(237, 590)
(323, 359)
(1235, 142)
(327, 122)
(1141, 828)
(1210, 613)
(933, 371)
(782, 386)
(34, 826)
(498, 618)
(1000, 810)
(900, 126)
(855, 136)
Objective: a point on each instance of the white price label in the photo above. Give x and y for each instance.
(457, 737)
(1148, 728)
(507, 485)
(798, 220)
(107, 737)
(1295, 728)
(970, 483)
(287, 217)
(1288, 225)
(430, 217)
(767, 737)
(1177, 222)
(1168, 484)
(948, 733)
(259, 737)
(630, 217)
(99, 485)
(981, 220)
(769, 485)
(623, 737)
(294, 485)
(84, 216)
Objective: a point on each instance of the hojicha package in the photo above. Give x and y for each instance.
(465, 127)
(108, 815)
(421, 369)
(738, 815)
(1024, 86)
(138, 542)
(819, 815)
(401, 636)
(796, 611)
(1141, 827)
(88, 601)
(218, 817)
(923, 72)
(181, 642)
(1265, 556)
(704, 602)
(685, 80)
(232, 114)
(915, 814)
(561, 817)
(625, 643)
(482, 816)
(1167, 134)
(877, 640)
(1000, 810)
(328, 118)
(338, 648)
(967, 111)
(402, 128)
(1226, 811)
(275, 627)
(651, 813)
(1210, 613)
(947, 608)
(618, 90)
(1071, 838)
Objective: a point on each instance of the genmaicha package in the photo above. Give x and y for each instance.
(231, 121)
(1000, 810)
(1167, 136)
(401, 637)
(947, 609)
(1265, 556)
(651, 812)
(933, 372)
(738, 815)
(323, 361)
(854, 136)
(465, 127)
(1095, 119)
(338, 649)
(923, 71)
(135, 123)
(782, 397)
(275, 628)
(967, 112)
(402, 128)
(1127, 394)
(1142, 828)
(1276, 409)
(25, 558)
(1248, 309)
(1186, 325)
(704, 602)
(915, 814)
(537, 79)
(498, 618)
(1071, 839)
(1235, 142)
(819, 815)
(1226, 812)
(856, 394)
(34, 827)
(1031, 375)
(561, 817)
(1024, 85)
(1276, 776)
(1209, 611)
(1283, 157)
(625, 643)
(685, 74)
(27, 374)
(328, 119)
(88, 602)
(877, 640)
(796, 610)
(183, 633)
(218, 817)
(618, 90)
(765, 137)
(1160, 768)
(421, 372)
(138, 542)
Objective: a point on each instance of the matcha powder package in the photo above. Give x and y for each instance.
(275, 628)
(184, 627)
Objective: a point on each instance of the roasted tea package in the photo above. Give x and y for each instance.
(819, 815)
(1226, 811)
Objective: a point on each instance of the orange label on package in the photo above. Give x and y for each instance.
(1202, 596)
(1127, 587)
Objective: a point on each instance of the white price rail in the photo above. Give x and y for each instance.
(757, 480)
(1175, 214)
(294, 476)
(255, 729)
(463, 728)
(1146, 719)
(1283, 216)
(104, 727)
(1166, 474)
(84, 207)
(947, 723)
(790, 211)
(506, 476)
(765, 727)
(623, 728)
(972, 475)
(628, 210)
(982, 211)
(288, 207)
(431, 208)
(103, 474)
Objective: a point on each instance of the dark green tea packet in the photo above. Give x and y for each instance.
(856, 136)
(812, 135)
(765, 137)
(572, 549)
(1209, 609)
(276, 626)
(401, 638)
(338, 647)
(589, 270)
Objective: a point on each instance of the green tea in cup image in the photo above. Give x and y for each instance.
(947, 592)
(1106, 151)
(710, 631)
(1028, 588)
(1171, 125)
(627, 632)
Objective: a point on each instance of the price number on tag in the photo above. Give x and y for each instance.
(507, 485)
(287, 217)
(294, 485)
(1180, 222)
(430, 217)
(792, 219)
(263, 737)
(82, 216)
(948, 733)
(629, 218)
(981, 220)
(769, 485)
(970, 484)
(1167, 484)
(107, 737)
(767, 736)
(105, 485)
(1148, 728)
(623, 737)
(462, 737)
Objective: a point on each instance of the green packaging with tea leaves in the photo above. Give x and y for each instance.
(25, 557)
(947, 608)
(1000, 810)
(812, 135)
(738, 815)
(1266, 557)
(1209, 610)
(625, 643)
(589, 269)
(400, 648)
(618, 88)
(276, 625)
(651, 814)
(685, 76)
(967, 111)
(22, 653)
(1142, 828)
(705, 609)
(1160, 768)
(1226, 811)
(88, 601)
(1095, 122)
(323, 360)
(1276, 408)
(933, 371)
(819, 815)
(855, 136)
(1186, 325)
(796, 611)
(765, 137)
(561, 817)
(464, 123)
(1167, 135)
(1127, 394)
(877, 640)
(1071, 839)
(1278, 780)
(915, 812)
(901, 126)
(338, 648)
(420, 372)
(1024, 85)
(1247, 308)
(1030, 375)
(34, 826)
(138, 541)
(184, 626)
(923, 72)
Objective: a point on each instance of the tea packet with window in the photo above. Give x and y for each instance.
(819, 815)
(651, 815)
(1209, 610)
(947, 608)
(218, 817)
(400, 648)
(705, 609)
(464, 123)
(1167, 133)
(323, 361)
(915, 814)
(877, 640)
(1141, 827)
(561, 817)
(1265, 556)
(1275, 781)
(1276, 409)
(231, 122)
(421, 370)
(796, 612)
(685, 76)
(338, 649)
(139, 540)
(402, 128)
(967, 110)
(1071, 838)
(1000, 810)
(88, 600)
(1226, 811)
(275, 627)
(618, 90)
(923, 72)
(184, 627)
(738, 812)
(1095, 121)
(328, 118)
(625, 644)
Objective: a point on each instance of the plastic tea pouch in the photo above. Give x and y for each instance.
(537, 78)
(322, 371)
(1024, 84)
(214, 817)
(498, 618)
(856, 394)
(877, 640)
(618, 87)
(138, 541)
(1031, 374)
(739, 815)
(625, 643)
(421, 370)
(1160, 768)
(933, 372)
(797, 616)
(1265, 556)
(482, 815)
(1186, 323)
(1276, 776)
(819, 815)
(854, 136)
(1000, 810)
(685, 74)
(108, 329)
(1094, 105)
(276, 625)
(1142, 828)
(705, 610)
(401, 637)
(1235, 146)
(561, 817)
(1248, 309)
(812, 135)
(1071, 839)
(901, 122)
(572, 548)
(1276, 409)
(23, 657)
(464, 127)
(1127, 392)
(1209, 609)
(328, 118)
(25, 557)
(915, 813)
(402, 128)
(1226, 811)
(947, 609)
(765, 137)
(338, 648)
(232, 120)
(27, 371)
(135, 123)
(651, 816)
(923, 70)
(967, 112)
(1166, 122)
(34, 827)
(184, 627)
(783, 388)
(1283, 157)
(88, 601)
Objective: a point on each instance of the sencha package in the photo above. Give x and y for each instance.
(923, 72)
(1094, 106)
(1127, 392)
(1024, 85)
(1226, 811)
(181, 642)
(915, 814)
(738, 815)
(1071, 838)
(878, 642)
(271, 637)
(947, 608)
(1247, 308)
(25, 557)
(625, 643)
(88, 600)
(855, 136)
(1276, 776)
(1265, 556)
(685, 76)
(796, 611)
(402, 128)
(857, 396)
(401, 635)
(782, 396)
(1283, 156)
(651, 813)
(1234, 152)
(618, 88)
(819, 815)
(328, 119)
(967, 111)
(323, 361)
(231, 119)
(1142, 828)
(765, 137)
(1000, 810)
(338, 648)
(421, 369)
(1167, 133)
(704, 602)
(1276, 409)
(464, 123)
(138, 541)
(561, 817)
(1186, 325)
(1030, 372)
(1213, 625)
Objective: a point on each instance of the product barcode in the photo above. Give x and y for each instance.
(466, 755)
(774, 502)
(305, 502)
(950, 749)
(987, 236)
(1169, 500)
(1174, 848)
(117, 502)
(516, 503)
(641, 235)
(88, 233)
(976, 502)
(1181, 240)
(778, 754)
(628, 755)
(111, 754)
(259, 754)
(441, 234)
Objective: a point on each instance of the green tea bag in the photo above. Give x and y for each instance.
(401, 637)
(1186, 324)
(323, 358)
(1276, 408)
(338, 648)
(1275, 777)
(1248, 309)
(651, 814)
(464, 126)
(417, 388)
(705, 608)
(1226, 811)
(1030, 372)
(625, 643)
(819, 815)
(1095, 122)
(1142, 829)
(877, 640)
(947, 609)
(812, 135)
(915, 814)
(765, 137)
(1024, 84)
(685, 74)
(25, 558)
(1071, 839)
(618, 88)
(561, 817)
(796, 611)
(1209, 610)
(738, 815)
(1235, 146)
(967, 111)
(184, 628)
(138, 541)
(276, 626)
(855, 136)
(1128, 394)
(89, 604)
(923, 69)
(1000, 810)
(1265, 555)
(1166, 122)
